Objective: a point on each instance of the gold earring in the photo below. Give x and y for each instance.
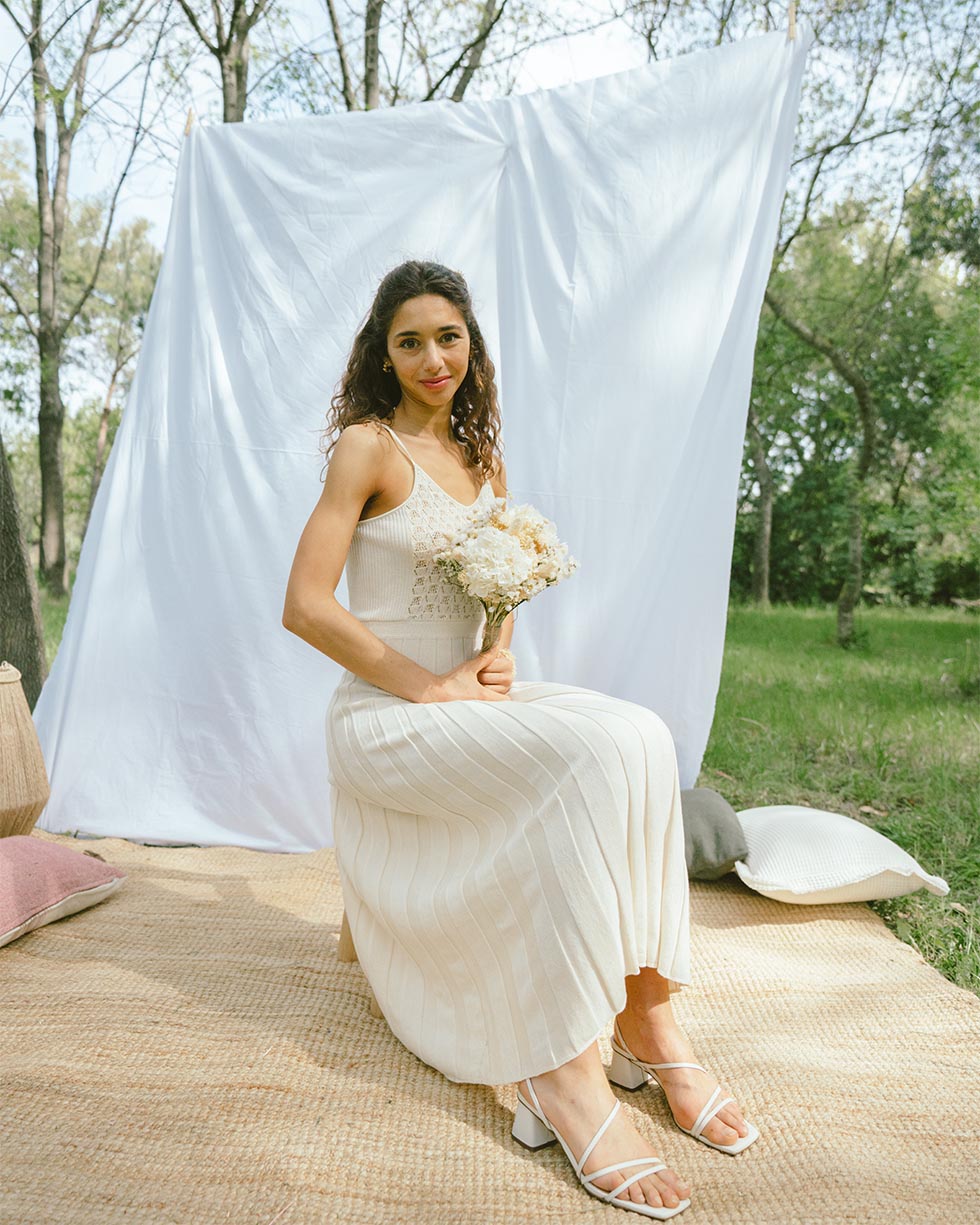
(386, 364)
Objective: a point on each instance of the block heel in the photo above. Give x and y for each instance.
(529, 1130)
(625, 1074)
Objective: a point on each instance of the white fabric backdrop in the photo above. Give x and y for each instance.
(616, 234)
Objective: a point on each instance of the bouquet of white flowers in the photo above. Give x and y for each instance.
(502, 556)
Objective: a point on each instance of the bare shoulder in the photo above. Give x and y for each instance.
(362, 438)
(358, 459)
(361, 446)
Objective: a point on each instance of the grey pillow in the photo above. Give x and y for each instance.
(713, 837)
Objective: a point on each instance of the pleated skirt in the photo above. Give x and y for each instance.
(504, 865)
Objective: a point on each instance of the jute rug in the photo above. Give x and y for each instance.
(191, 1050)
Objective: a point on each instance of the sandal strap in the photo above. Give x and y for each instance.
(595, 1139)
(708, 1112)
(642, 1063)
(617, 1043)
(653, 1164)
(650, 1166)
(534, 1097)
(616, 1191)
(674, 1065)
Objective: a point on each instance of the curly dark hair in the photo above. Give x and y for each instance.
(366, 392)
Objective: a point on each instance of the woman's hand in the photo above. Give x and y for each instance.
(498, 674)
(463, 681)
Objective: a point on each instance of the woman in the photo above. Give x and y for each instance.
(512, 877)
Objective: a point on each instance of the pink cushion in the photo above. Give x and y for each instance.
(42, 881)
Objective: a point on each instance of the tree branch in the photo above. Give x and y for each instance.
(198, 30)
(345, 74)
(23, 31)
(125, 30)
(77, 78)
(488, 19)
(843, 142)
(479, 40)
(251, 17)
(219, 31)
(12, 295)
(846, 370)
(137, 136)
(846, 143)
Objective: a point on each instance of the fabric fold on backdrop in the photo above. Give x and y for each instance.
(616, 234)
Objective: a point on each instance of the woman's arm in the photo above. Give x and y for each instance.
(507, 630)
(336, 632)
(311, 610)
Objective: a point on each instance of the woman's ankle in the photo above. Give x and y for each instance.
(659, 1016)
(577, 1074)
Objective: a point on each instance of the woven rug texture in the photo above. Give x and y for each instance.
(192, 1051)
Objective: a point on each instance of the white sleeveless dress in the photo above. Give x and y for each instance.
(504, 865)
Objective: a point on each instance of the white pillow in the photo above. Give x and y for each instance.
(804, 855)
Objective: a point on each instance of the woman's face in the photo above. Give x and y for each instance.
(429, 347)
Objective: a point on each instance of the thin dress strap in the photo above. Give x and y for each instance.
(398, 440)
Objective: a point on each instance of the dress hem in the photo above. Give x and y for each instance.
(675, 986)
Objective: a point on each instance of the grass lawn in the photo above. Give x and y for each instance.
(887, 732)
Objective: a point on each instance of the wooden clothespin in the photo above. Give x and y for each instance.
(792, 20)
(190, 121)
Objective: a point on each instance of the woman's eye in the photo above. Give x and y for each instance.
(445, 336)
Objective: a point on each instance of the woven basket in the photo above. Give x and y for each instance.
(24, 787)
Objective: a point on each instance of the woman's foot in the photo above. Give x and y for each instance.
(686, 1089)
(577, 1102)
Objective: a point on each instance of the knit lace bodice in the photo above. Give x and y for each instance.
(390, 572)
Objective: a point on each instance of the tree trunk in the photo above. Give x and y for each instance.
(234, 80)
(230, 48)
(52, 559)
(763, 517)
(850, 592)
(51, 212)
(372, 26)
(54, 316)
(21, 629)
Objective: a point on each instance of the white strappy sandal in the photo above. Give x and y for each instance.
(532, 1129)
(629, 1072)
